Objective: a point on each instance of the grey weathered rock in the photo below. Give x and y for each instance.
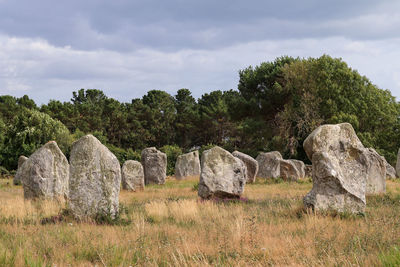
(390, 171)
(330, 189)
(340, 168)
(289, 171)
(17, 177)
(154, 165)
(187, 165)
(251, 165)
(268, 164)
(301, 167)
(95, 179)
(308, 170)
(45, 173)
(222, 175)
(376, 172)
(132, 176)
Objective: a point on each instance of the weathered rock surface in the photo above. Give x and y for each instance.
(95, 179)
(45, 173)
(308, 170)
(132, 176)
(187, 165)
(289, 171)
(340, 169)
(301, 167)
(17, 177)
(376, 172)
(390, 171)
(251, 165)
(268, 164)
(222, 174)
(154, 165)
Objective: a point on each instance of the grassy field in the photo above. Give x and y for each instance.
(168, 226)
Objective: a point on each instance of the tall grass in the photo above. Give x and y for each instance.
(169, 226)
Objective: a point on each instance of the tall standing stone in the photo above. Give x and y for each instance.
(45, 173)
(251, 165)
(222, 175)
(154, 165)
(17, 177)
(187, 165)
(269, 164)
(340, 169)
(95, 178)
(376, 173)
(132, 176)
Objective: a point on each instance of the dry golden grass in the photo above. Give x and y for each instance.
(169, 226)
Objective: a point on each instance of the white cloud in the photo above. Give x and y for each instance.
(43, 71)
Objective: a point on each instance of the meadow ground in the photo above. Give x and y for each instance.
(168, 226)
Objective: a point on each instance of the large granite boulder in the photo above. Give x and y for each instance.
(269, 164)
(376, 172)
(95, 179)
(289, 171)
(45, 173)
(154, 165)
(17, 177)
(132, 176)
(340, 169)
(222, 175)
(187, 165)
(251, 165)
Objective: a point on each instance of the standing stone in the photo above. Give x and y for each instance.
(95, 179)
(376, 173)
(308, 170)
(390, 171)
(289, 170)
(251, 165)
(301, 167)
(187, 165)
(45, 173)
(268, 164)
(132, 176)
(222, 175)
(17, 177)
(340, 169)
(154, 165)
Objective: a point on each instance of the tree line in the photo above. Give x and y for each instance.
(276, 105)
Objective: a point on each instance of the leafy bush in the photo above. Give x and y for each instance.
(172, 151)
(30, 130)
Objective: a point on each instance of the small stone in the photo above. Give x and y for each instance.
(222, 174)
(132, 176)
(268, 164)
(154, 166)
(251, 165)
(17, 177)
(187, 165)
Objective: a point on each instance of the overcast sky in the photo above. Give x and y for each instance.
(126, 47)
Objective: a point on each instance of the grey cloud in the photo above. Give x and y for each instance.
(124, 25)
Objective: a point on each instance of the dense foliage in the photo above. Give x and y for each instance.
(276, 106)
